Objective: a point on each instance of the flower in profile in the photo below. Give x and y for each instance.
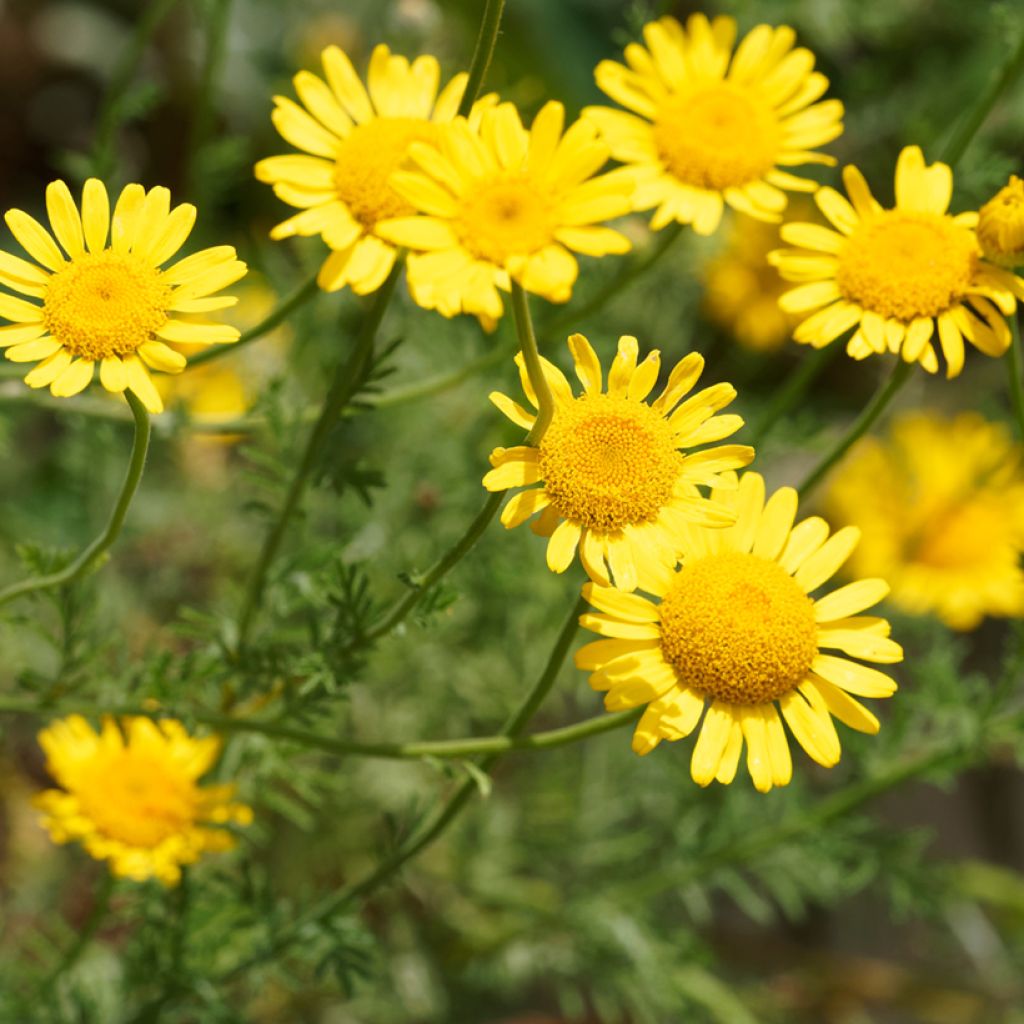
(130, 795)
(504, 203)
(1001, 225)
(715, 126)
(897, 275)
(733, 634)
(110, 303)
(940, 505)
(353, 139)
(619, 479)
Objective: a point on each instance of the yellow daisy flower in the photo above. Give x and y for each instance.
(1001, 225)
(131, 797)
(110, 304)
(506, 203)
(618, 480)
(355, 138)
(897, 275)
(734, 629)
(715, 126)
(940, 504)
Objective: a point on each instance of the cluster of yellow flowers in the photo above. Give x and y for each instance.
(705, 590)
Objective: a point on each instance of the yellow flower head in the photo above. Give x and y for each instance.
(897, 274)
(715, 126)
(617, 478)
(502, 203)
(108, 302)
(734, 628)
(1001, 225)
(356, 137)
(940, 504)
(131, 797)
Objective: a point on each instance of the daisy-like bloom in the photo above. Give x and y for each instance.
(353, 139)
(940, 504)
(107, 301)
(505, 203)
(897, 275)
(734, 630)
(618, 478)
(131, 795)
(712, 125)
(1001, 225)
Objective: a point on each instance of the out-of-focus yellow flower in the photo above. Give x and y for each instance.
(353, 138)
(734, 628)
(110, 304)
(618, 476)
(940, 504)
(131, 795)
(506, 204)
(897, 275)
(715, 126)
(1001, 225)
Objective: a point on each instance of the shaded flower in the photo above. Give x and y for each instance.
(1001, 225)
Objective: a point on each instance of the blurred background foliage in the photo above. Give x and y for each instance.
(586, 885)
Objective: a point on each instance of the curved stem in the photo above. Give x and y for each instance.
(297, 298)
(348, 377)
(864, 422)
(958, 142)
(482, 53)
(442, 817)
(1013, 369)
(424, 583)
(795, 386)
(528, 346)
(81, 565)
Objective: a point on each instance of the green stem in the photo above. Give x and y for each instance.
(348, 378)
(961, 138)
(864, 422)
(301, 295)
(81, 565)
(484, 50)
(216, 47)
(443, 816)
(111, 110)
(422, 584)
(794, 388)
(637, 268)
(97, 915)
(1013, 368)
(538, 379)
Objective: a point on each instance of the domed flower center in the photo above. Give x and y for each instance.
(1001, 224)
(367, 159)
(970, 535)
(738, 628)
(105, 304)
(717, 138)
(138, 799)
(907, 265)
(608, 462)
(506, 218)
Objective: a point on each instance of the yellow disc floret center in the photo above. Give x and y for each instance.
(907, 265)
(105, 304)
(738, 628)
(137, 799)
(367, 159)
(609, 462)
(506, 218)
(717, 138)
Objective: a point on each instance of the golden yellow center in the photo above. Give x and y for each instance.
(1001, 224)
(137, 799)
(906, 265)
(718, 137)
(608, 462)
(738, 628)
(506, 218)
(965, 537)
(105, 304)
(367, 159)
